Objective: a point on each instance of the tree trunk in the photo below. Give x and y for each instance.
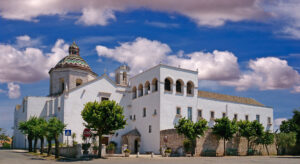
(224, 147)
(56, 147)
(35, 144)
(30, 144)
(49, 147)
(248, 145)
(42, 145)
(100, 146)
(267, 149)
(193, 147)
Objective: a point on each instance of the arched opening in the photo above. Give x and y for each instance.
(78, 82)
(168, 84)
(124, 76)
(62, 85)
(190, 88)
(140, 90)
(179, 86)
(134, 92)
(154, 85)
(147, 87)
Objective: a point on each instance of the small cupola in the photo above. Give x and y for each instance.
(74, 49)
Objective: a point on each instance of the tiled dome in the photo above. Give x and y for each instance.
(73, 60)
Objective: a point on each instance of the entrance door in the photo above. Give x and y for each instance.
(136, 146)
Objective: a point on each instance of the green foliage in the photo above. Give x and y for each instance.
(103, 118)
(168, 150)
(111, 146)
(187, 145)
(55, 127)
(285, 141)
(3, 136)
(126, 151)
(288, 126)
(224, 128)
(6, 145)
(191, 130)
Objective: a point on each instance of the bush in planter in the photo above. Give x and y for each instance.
(187, 145)
(111, 148)
(85, 148)
(127, 152)
(168, 150)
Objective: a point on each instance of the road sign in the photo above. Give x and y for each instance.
(67, 132)
(87, 132)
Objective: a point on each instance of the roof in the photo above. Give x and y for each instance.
(222, 97)
(73, 60)
(133, 132)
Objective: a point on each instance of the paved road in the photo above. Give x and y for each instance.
(21, 157)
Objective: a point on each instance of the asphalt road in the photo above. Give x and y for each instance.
(21, 157)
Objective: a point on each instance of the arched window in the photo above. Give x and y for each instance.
(62, 85)
(78, 82)
(124, 76)
(134, 92)
(168, 84)
(140, 90)
(147, 87)
(154, 85)
(190, 88)
(179, 86)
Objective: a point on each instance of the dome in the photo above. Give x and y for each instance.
(73, 60)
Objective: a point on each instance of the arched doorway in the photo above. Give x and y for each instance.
(136, 146)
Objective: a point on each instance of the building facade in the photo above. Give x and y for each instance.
(153, 101)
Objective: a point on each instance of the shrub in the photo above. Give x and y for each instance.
(6, 145)
(111, 146)
(126, 151)
(168, 150)
(95, 147)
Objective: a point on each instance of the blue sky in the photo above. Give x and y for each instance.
(252, 53)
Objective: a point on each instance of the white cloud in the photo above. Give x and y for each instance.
(28, 65)
(142, 54)
(267, 74)
(218, 65)
(139, 55)
(112, 74)
(277, 122)
(287, 13)
(26, 41)
(13, 90)
(99, 12)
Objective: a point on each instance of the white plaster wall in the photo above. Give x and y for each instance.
(75, 100)
(149, 141)
(169, 101)
(207, 105)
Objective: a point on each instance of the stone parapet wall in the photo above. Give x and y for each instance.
(211, 142)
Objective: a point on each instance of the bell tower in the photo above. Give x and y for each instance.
(121, 75)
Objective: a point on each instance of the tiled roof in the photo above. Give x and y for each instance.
(222, 97)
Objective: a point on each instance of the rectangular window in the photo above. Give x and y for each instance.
(269, 120)
(212, 115)
(223, 114)
(150, 129)
(133, 117)
(247, 118)
(144, 112)
(199, 113)
(190, 113)
(104, 98)
(235, 117)
(178, 110)
(130, 117)
(257, 118)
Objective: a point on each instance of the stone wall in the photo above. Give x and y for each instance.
(70, 152)
(211, 142)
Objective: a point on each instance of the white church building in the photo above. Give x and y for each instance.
(153, 100)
